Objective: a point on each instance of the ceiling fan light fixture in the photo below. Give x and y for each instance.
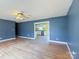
(20, 15)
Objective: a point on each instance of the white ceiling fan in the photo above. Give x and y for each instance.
(21, 15)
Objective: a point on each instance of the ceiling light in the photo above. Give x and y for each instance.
(20, 15)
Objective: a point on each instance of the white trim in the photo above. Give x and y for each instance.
(26, 37)
(4, 40)
(41, 22)
(48, 28)
(72, 57)
(57, 42)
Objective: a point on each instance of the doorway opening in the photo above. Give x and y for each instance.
(16, 29)
(41, 31)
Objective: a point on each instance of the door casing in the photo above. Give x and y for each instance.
(48, 29)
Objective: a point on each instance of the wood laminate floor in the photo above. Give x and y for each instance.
(31, 49)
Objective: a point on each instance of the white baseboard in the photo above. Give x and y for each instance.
(69, 51)
(26, 37)
(7, 39)
(57, 42)
(65, 44)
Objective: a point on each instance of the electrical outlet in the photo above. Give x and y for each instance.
(28, 35)
(74, 53)
(57, 39)
(69, 43)
(0, 38)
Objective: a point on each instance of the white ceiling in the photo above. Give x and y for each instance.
(38, 9)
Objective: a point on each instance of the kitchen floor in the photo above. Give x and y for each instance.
(32, 49)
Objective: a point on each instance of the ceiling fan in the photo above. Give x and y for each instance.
(21, 15)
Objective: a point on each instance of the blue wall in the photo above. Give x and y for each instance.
(63, 28)
(58, 28)
(7, 29)
(74, 28)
